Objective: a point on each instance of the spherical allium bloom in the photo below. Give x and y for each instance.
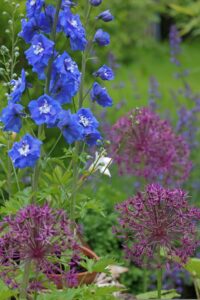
(18, 87)
(34, 7)
(11, 117)
(45, 110)
(146, 146)
(70, 127)
(73, 29)
(105, 16)
(41, 235)
(26, 152)
(39, 53)
(95, 2)
(102, 38)
(105, 73)
(157, 219)
(100, 95)
(90, 124)
(43, 23)
(65, 79)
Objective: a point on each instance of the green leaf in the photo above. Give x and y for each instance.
(6, 293)
(165, 294)
(193, 266)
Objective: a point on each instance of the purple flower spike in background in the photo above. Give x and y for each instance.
(100, 95)
(11, 117)
(102, 38)
(105, 16)
(18, 87)
(26, 152)
(95, 2)
(158, 218)
(45, 110)
(105, 73)
(39, 53)
(175, 40)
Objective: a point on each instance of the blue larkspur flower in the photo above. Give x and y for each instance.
(105, 73)
(11, 117)
(100, 95)
(26, 152)
(18, 87)
(90, 124)
(95, 2)
(70, 127)
(73, 29)
(68, 3)
(34, 7)
(102, 38)
(30, 27)
(105, 16)
(45, 110)
(65, 79)
(39, 53)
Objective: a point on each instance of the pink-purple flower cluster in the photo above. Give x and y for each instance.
(41, 236)
(144, 145)
(156, 219)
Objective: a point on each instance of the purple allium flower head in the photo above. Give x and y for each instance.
(105, 73)
(72, 130)
(105, 16)
(73, 29)
(102, 38)
(146, 146)
(158, 218)
(39, 53)
(18, 87)
(34, 7)
(11, 117)
(95, 2)
(175, 40)
(100, 95)
(26, 152)
(41, 235)
(45, 110)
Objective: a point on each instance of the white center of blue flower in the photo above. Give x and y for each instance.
(69, 65)
(84, 121)
(16, 83)
(45, 108)
(24, 150)
(74, 23)
(32, 2)
(38, 49)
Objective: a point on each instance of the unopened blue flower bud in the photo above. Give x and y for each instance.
(105, 16)
(95, 2)
(102, 38)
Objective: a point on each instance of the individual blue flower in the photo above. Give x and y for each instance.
(102, 38)
(11, 117)
(105, 73)
(39, 53)
(70, 127)
(34, 7)
(65, 79)
(92, 137)
(68, 3)
(73, 29)
(18, 87)
(45, 110)
(100, 95)
(95, 2)
(87, 119)
(105, 16)
(30, 27)
(26, 152)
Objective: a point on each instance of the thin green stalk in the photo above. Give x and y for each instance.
(9, 170)
(54, 146)
(145, 275)
(159, 275)
(25, 280)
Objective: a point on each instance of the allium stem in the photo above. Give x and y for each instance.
(25, 281)
(159, 275)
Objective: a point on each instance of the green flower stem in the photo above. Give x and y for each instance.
(159, 275)
(9, 169)
(25, 280)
